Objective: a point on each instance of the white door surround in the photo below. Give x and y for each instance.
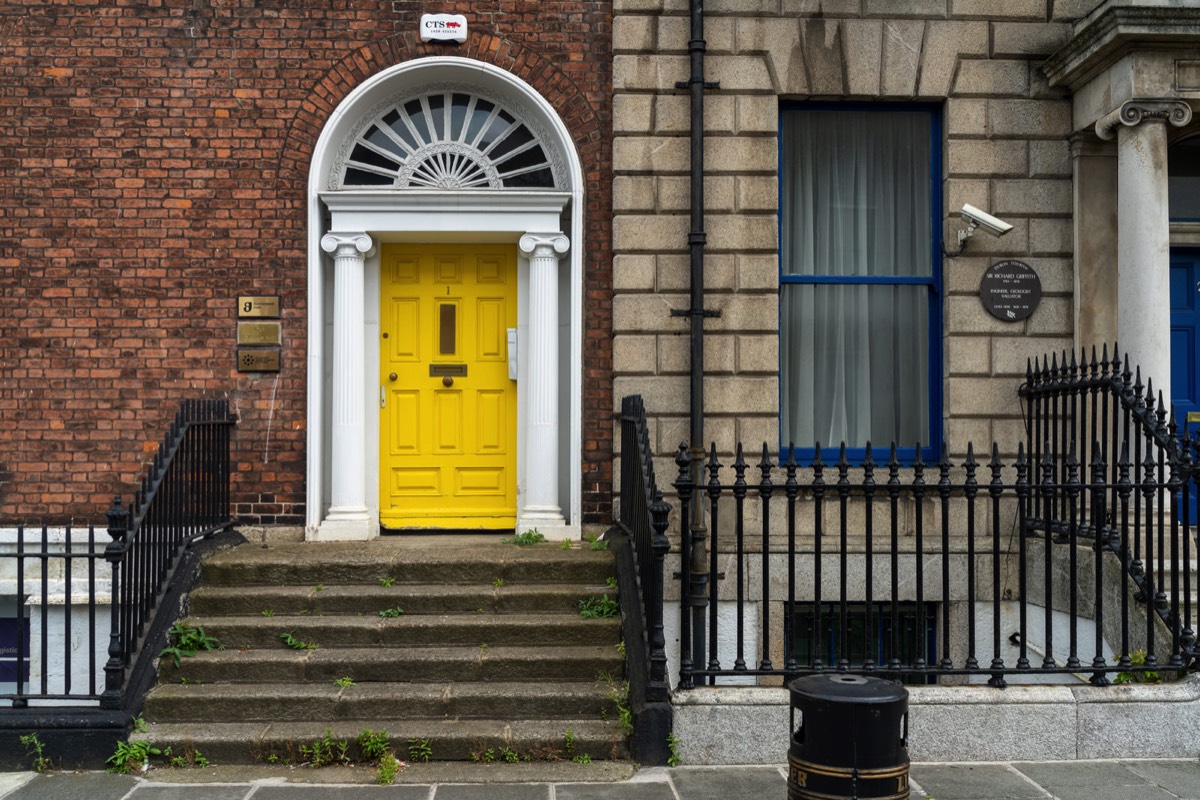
(343, 310)
(1126, 68)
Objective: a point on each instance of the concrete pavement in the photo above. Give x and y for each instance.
(1074, 780)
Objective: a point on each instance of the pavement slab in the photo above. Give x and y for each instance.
(1180, 778)
(205, 792)
(974, 782)
(1088, 780)
(508, 791)
(293, 792)
(84, 786)
(1065, 773)
(658, 790)
(726, 783)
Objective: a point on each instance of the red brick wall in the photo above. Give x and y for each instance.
(153, 165)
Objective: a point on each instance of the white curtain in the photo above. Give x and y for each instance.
(855, 204)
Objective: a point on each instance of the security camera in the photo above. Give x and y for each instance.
(993, 225)
(976, 219)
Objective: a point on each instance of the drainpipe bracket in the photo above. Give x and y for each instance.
(694, 312)
(711, 85)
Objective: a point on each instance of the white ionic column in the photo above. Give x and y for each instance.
(539, 506)
(1143, 233)
(348, 516)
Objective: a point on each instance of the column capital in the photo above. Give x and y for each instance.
(544, 245)
(353, 244)
(1138, 110)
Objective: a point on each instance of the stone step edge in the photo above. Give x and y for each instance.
(447, 740)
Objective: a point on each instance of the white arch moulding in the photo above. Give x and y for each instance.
(341, 215)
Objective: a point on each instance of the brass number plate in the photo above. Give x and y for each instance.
(455, 370)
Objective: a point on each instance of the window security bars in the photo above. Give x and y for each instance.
(70, 615)
(1004, 550)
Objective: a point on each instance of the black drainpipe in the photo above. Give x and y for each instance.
(698, 591)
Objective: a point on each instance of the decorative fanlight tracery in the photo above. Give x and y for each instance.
(449, 140)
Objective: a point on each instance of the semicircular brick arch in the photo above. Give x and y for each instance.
(573, 106)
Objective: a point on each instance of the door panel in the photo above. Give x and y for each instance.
(1185, 337)
(448, 425)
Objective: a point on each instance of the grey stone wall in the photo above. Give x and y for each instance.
(1005, 150)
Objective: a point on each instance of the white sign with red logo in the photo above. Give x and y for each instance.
(443, 28)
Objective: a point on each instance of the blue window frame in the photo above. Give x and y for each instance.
(860, 279)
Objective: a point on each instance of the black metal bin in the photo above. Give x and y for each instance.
(852, 741)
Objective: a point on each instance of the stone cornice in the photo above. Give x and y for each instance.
(1103, 38)
(1134, 112)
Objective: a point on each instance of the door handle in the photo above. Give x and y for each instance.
(392, 377)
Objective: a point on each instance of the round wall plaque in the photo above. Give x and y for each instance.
(1010, 290)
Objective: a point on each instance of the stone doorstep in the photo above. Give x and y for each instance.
(303, 702)
(750, 725)
(409, 630)
(292, 780)
(449, 740)
(458, 572)
(413, 598)
(577, 663)
(520, 680)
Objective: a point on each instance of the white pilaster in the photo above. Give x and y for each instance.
(1143, 233)
(348, 516)
(539, 506)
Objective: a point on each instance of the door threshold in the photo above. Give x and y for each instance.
(497, 532)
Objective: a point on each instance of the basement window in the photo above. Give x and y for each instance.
(912, 624)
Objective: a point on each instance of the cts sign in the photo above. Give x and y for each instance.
(443, 28)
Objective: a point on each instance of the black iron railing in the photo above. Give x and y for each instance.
(59, 587)
(184, 496)
(1101, 409)
(936, 570)
(643, 517)
(81, 607)
(1074, 556)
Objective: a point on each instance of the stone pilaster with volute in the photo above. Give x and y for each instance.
(1143, 230)
(539, 505)
(348, 516)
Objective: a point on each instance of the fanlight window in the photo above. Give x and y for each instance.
(447, 140)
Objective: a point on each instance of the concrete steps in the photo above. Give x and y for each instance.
(405, 700)
(448, 739)
(413, 663)
(413, 598)
(481, 646)
(435, 630)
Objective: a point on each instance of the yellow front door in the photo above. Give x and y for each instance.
(448, 438)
